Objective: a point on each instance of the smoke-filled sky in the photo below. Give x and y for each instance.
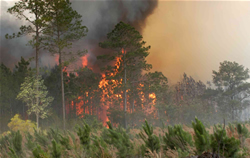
(192, 37)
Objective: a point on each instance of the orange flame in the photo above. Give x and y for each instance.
(85, 60)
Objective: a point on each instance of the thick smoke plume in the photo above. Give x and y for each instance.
(99, 16)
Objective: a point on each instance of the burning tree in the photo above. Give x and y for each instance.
(129, 53)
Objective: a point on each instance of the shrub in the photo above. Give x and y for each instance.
(151, 141)
(201, 137)
(119, 139)
(56, 149)
(83, 133)
(177, 138)
(23, 126)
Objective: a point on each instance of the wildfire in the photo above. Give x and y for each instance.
(85, 60)
(111, 98)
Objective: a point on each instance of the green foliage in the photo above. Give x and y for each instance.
(29, 94)
(5, 140)
(83, 133)
(119, 139)
(177, 138)
(41, 138)
(228, 147)
(54, 134)
(30, 144)
(39, 153)
(56, 149)
(12, 153)
(18, 124)
(231, 83)
(151, 141)
(17, 142)
(99, 148)
(242, 132)
(201, 137)
(64, 140)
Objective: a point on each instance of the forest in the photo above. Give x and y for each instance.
(122, 110)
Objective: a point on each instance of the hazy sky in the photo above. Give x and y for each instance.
(194, 37)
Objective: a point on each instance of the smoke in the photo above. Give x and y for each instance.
(194, 37)
(99, 16)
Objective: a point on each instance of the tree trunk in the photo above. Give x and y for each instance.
(37, 121)
(37, 53)
(125, 91)
(62, 87)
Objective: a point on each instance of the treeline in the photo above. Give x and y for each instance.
(85, 97)
(125, 91)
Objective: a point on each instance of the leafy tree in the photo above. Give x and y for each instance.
(64, 28)
(129, 50)
(231, 81)
(37, 10)
(29, 94)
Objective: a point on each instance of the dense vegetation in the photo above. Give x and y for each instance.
(123, 93)
(94, 140)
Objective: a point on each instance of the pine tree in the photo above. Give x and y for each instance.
(64, 28)
(129, 49)
(37, 20)
(151, 141)
(83, 133)
(17, 143)
(222, 144)
(41, 138)
(201, 137)
(64, 140)
(177, 138)
(242, 132)
(56, 149)
(119, 139)
(39, 153)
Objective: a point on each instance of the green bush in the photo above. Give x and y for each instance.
(83, 133)
(242, 132)
(56, 149)
(177, 138)
(151, 141)
(39, 153)
(201, 137)
(119, 139)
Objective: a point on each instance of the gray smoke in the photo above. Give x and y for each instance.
(99, 16)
